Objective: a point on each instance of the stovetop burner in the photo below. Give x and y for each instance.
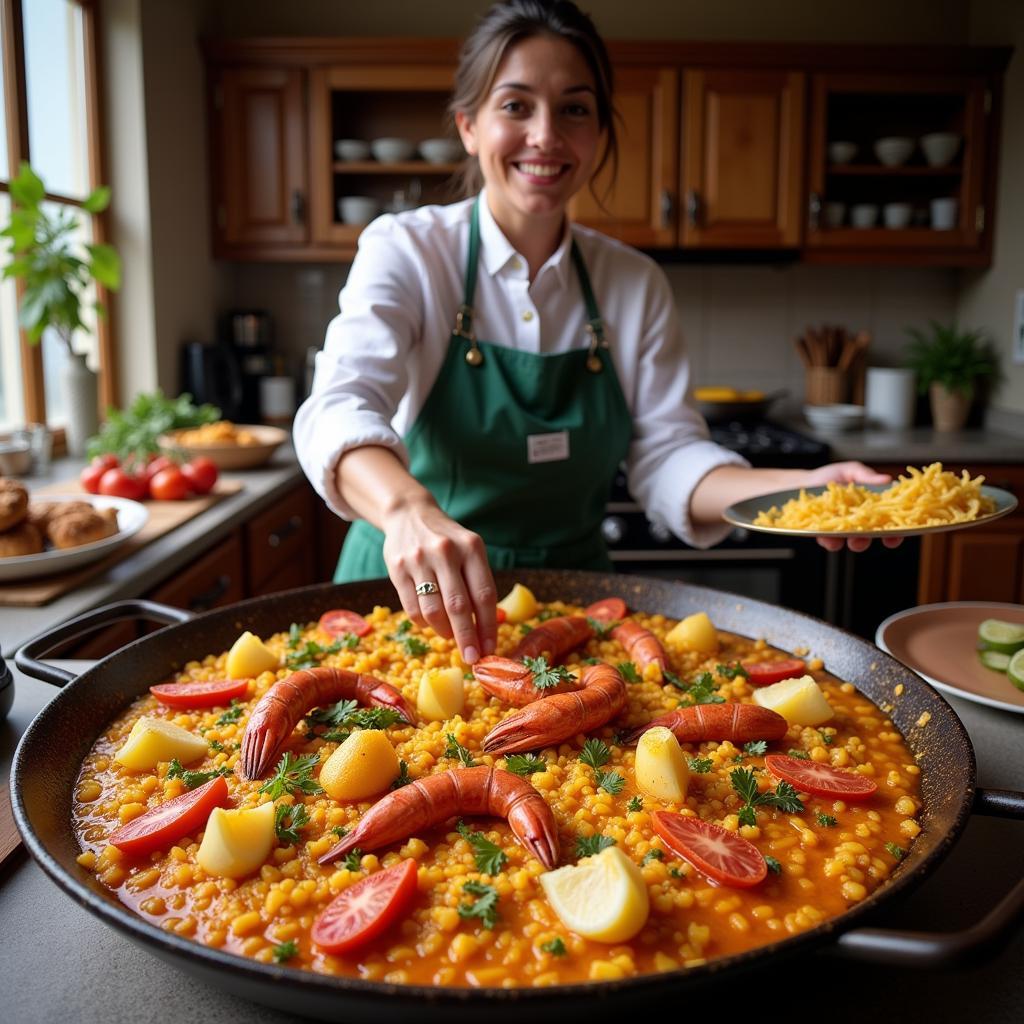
(767, 444)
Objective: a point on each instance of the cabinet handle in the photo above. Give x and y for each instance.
(201, 602)
(813, 211)
(298, 207)
(282, 533)
(667, 208)
(693, 207)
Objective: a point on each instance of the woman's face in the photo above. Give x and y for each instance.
(536, 133)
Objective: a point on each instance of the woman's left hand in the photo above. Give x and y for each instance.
(848, 473)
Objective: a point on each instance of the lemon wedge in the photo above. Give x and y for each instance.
(604, 897)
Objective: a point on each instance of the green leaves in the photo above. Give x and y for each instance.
(194, 779)
(489, 857)
(587, 846)
(456, 750)
(525, 764)
(744, 783)
(950, 356)
(545, 676)
(485, 906)
(292, 775)
(595, 753)
(288, 820)
(97, 200)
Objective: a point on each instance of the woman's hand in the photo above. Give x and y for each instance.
(847, 473)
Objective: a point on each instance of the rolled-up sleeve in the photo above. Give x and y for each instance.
(671, 450)
(362, 373)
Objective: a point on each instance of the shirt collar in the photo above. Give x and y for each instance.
(496, 250)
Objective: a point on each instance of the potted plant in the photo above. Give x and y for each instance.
(56, 270)
(949, 364)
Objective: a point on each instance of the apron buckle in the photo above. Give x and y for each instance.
(464, 329)
(596, 333)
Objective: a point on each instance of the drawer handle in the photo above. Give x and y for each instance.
(201, 602)
(282, 533)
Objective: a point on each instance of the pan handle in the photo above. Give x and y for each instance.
(948, 949)
(28, 655)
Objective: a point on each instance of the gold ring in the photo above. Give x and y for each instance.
(426, 588)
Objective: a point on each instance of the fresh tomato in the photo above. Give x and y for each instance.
(155, 465)
(611, 609)
(200, 694)
(119, 484)
(764, 672)
(500, 615)
(721, 856)
(341, 621)
(179, 817)
(201, 474)
(364, 910)
(168, 485)
(819, 779)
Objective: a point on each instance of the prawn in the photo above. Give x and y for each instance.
(512, 682)
(642, 646)
(280, 708)
(738, 723)
(556, 637)
(483, 790)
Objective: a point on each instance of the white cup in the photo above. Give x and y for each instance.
(277, 399)
(944, 214)
(889, 397)
(864, 215)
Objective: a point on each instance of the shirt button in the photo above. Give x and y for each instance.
(527, 315)
(516, 263)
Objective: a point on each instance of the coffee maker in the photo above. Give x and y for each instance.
(250, 336)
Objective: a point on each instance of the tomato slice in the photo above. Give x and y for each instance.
(364, 910)
(721, 856)
(764, 672)
(500, 615)
(819, 779)
(341, 621)
(611, 609)
(179, 817)
(199, 694)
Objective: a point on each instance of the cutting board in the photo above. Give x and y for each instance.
(164, 516)
(10, 839)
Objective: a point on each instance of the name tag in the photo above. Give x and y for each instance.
(547, 447)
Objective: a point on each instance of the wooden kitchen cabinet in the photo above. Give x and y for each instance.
(215, 579)
(280, 538)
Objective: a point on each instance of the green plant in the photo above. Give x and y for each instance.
(48, 259)
(951, 357)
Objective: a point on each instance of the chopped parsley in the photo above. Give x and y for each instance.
(403, 778)
(773, 865)
(192, 779)
(556, 947)
(652, 854)
(591, 661)
(525, 627)
(292, 775)
(525, 764)
(732, 671)
(285, 951)
(610, 782)
(456, 750)
(601, 629)
(294, 635)
(701, 690)
(701, 765)
(672, 678)
(828, 738)
(676, 873)
(311, 654)
(340, 831)
(595, 753)
(288, 820)
(800, 755)
(636, 803)
(548, 613)
(897, 851)
(745, 785)
(352, 859)
(628, 671)
(827, 820)
(216, 746)
(485, 906)
(587, 846)
(412, 645)
(348, 713)
(233, 713)
(755, 748)
(545, 676)
(489, 857)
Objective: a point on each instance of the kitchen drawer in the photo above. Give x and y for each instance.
(283, 535)
(216, 579)
(291, 575)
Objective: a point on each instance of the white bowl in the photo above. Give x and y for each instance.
(841, 152)
(357, 209)
(864, 215)
(834, 214)
(441, 151)
(834, 418)
(894, 150)
(392, 151)
(896, 215)
(939, 148)
(352, 149)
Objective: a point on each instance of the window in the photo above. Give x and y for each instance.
(49, 117)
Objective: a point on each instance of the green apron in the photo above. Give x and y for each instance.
(518, 447)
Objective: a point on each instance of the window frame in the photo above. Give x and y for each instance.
(16, 116)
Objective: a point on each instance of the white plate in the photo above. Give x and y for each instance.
(131, 517)
(937, 641)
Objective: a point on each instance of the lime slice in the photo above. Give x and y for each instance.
(996, 635)
(995, 660)
(1015, 670)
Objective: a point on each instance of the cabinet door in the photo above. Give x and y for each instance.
(261, 180)
(640, 208)
(742, 158)
(214, 580)
(282, 535)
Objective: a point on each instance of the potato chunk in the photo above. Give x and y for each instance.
(236, 842)
(695, 633)
(799, 701)
(364, 765)
(661, 768)
(441, 694)
(518, 604)
(153, 740)
(249, 656)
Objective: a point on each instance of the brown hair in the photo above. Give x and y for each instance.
(509, 22)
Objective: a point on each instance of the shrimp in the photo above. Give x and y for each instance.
(642, 646)
(512, 682)
(471, 791)
(557, 637)
(281, 707)
(550, 720)
(736, 722)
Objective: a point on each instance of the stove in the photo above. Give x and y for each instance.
(765, 444)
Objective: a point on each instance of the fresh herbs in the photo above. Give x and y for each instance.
(348, 713)
(216, 746)
(525, 764)
(412, 645)
(628, 671)
(827, 738)
(601, 629)
(636, 803)
(485, 906)
(456, 750)
(340, 831)
(587, 846)
(548, 613)
(800, 755)
(311, 654)
(192, 779)
(897, 851)
(294, 635)
(827, 820)
(489, 857)
(773, 865)
(352, 859)
(596, 754)
(701, 765)
(755, 748)
(745, 785)
(288, 820)
(545, 676)
(285, 951)
(732, 671)
(652, 854)
(403, 778)
(233, 713)
(556, 947)
(700, 691)
(292, 775)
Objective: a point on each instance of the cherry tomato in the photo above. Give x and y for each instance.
(364, 910)
(201, 474)
(500, 615)
(611, 609)
(108, 461)
(119, 484)
(169, 485)
(341, 621)
(199, 694)
(819, 779)
(155, 465)
(89, 478)
(173, 819)
(764, 672)
(721, 856)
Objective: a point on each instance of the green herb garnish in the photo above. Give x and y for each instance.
(595, 753)
(701, 765)
(349, 713)
(340, 831)
(525, 764)
(556, 947)
(352, 859)
(587, 846)
(610, 782)
(292, 775)
(675, 873)
(412, 645)
(628, 671)
(827, 820)
(601, 629)
(403, 778)
(285, 951)
(490, 858)
(773, 865)
(897, 851)
(827, 738)
(525, 627)
(755, 748)
(702, 690)
(311, 654)
(800, 755)
(294, 635)
(233, 713)
(193, 779)
(591, 661)
(732, 671)
(216, 746)
(636, 803)
(288, 820)
(485, 906)
(545, 676)
(547, 613)
(652, 854)
(745, 785)
(456, 750)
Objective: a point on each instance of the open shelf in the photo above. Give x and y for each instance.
(879, 170)
(405, 167)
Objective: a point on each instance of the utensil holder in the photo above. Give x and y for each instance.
(826, 385)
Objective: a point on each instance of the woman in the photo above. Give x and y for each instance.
(455, 453)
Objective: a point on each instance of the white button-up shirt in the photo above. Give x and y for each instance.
(385, 348)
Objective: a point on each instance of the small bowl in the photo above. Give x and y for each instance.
(357, 209)
(392, 151)
(893, 151)
(15, 458)
(441, 151)
(896, 215)
(864, 215)
(939, 148)
(352, 149)
(834, 214)
(227, 454)
(841, 152)
(834, 418)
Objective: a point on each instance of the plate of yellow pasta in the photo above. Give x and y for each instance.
(928, 500)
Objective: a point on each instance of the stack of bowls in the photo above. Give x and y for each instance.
(834, 419)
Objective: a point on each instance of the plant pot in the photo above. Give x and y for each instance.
(81, 400)
(949, 408)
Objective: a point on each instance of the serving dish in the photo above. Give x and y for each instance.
(742, 406)
(392, 150)
(229, 455)
(836, 417)
(131, 517)
(46, 766)
(743, 514)
(938, 642)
